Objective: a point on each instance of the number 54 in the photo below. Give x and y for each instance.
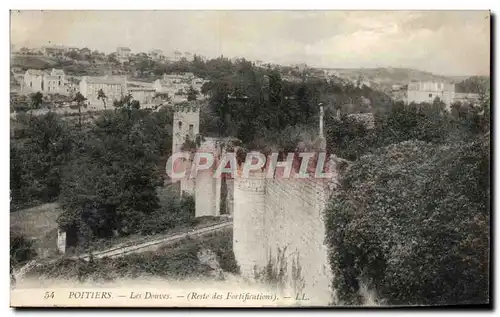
(48, 295)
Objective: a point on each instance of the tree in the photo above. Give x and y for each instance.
(135, 104)
(111, 184)
(192, 93)
(21, 249)
(37, 161)
(411, 222)
(36, 101)
(113, 59)
(101, 95)
(127, 103)
(80, 100)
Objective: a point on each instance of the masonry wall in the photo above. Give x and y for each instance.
(249, 236)
(294, 225)
(206, 199)
(286, 215)
(206, 187)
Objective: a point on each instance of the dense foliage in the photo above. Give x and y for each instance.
(180, 261)
(21, 249)
(350, 138)
(104, 172)
(252, 103)
(40, 148)
(474, 84)
(178, 211)
(411, 218)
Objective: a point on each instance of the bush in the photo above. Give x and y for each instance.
(222, 244)
(178, 261)
(176, 212)
(412, 222)
(21, 249)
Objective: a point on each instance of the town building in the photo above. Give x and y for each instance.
(71, 49)
(427, 92)
(123, 54)
(156, 55)
(30, 51)
(113, 87)
(170, 87)
(145, 95)
(466, 98)
(33, 80)
(46, 82)
(85, 52)
(176, 83)
(176, 56)
(396, 87)
(54, 50)
(188, 56)
(197, 83)
(301, 67)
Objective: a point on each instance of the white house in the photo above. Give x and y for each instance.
(113, 87)
(44, 81)
(420, 92)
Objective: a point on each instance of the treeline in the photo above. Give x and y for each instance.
(474, 84)
(411, 218)
(251, 102)
(104, 173)
(350, 138)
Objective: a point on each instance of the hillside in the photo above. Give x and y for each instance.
(474, 84)
(31, 61)
(389, 76)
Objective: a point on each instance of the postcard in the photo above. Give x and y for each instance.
(250, 158)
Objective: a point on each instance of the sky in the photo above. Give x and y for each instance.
(442, 42)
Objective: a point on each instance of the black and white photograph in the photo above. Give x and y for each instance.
(250, 158)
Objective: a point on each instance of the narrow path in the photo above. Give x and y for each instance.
(146, 246)
(18, 275)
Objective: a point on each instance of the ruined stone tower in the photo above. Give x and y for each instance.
(186, 127)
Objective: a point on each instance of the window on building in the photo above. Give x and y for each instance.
(430, 95)
(180, 125)
(191, 130)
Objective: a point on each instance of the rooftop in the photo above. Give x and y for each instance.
(57, 72)
(51, 77)
(35, 72)
(141, 89)
(58, 47)
(105, 80)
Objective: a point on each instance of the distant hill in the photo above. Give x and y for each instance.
(387, 76)
(71, 67)
(474, 84)
(32, 61)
